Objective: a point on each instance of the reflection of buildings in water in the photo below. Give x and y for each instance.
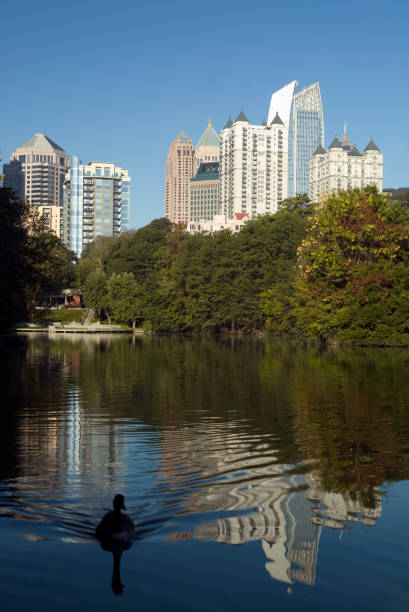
(68, 449)
(240, 476)
(282, 522)
(336, 510)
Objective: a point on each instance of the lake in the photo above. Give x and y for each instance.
(260, 474)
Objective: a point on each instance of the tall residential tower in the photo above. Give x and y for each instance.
(180, 168)
(96, 202)
(253, 166)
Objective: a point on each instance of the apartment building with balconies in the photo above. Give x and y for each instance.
(96, 202)
(253, 166)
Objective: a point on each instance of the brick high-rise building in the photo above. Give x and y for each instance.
(180, 168)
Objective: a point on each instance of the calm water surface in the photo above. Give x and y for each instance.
(260, 475)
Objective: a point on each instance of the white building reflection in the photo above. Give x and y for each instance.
(283, 510)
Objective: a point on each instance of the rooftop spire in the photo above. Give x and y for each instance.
(346, 145)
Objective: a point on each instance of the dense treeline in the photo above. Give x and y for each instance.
(33, 263)
(337, 271)
(184, 283)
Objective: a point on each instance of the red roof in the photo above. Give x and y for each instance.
(240, 216)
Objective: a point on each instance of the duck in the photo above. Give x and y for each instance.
(116, 527)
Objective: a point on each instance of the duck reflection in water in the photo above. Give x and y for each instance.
(116, 532)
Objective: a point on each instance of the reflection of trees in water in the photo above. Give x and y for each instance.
(352, 410)
(243, 413)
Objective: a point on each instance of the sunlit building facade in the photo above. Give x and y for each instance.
(96, 202)
(342, 166)
(180, 168)
(36, 172)
(253, 166)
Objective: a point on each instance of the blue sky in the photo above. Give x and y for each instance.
(116, 81)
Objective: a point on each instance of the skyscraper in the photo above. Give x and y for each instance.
(302, 115)
(180, 168)
(96, 202)
(208, 148)
(36, 172)
(253, 166)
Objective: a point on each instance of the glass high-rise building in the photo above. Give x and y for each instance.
(96, 202)
(304, 123)
(305, 134)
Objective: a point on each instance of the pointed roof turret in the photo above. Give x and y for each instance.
(335, 144)
(354, 151)
(264, 123)
(40, 141)
(209, 137)
(371, 146)
(277, 120)
(242, 117)
(182, 136)
(229, 123)
(319, 150)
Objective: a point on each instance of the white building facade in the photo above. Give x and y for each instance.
(253, 166)
(219, 223)
(342, 166)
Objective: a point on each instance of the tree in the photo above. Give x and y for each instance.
(95, 292)
(354, 282)
(13, 250)
(33, 263)
(124, 297)
(49, 263)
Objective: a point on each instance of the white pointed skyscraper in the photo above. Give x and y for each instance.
(304, 129)
(306, 133)
(281, 102)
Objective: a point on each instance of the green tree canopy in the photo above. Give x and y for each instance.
(353, 280)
